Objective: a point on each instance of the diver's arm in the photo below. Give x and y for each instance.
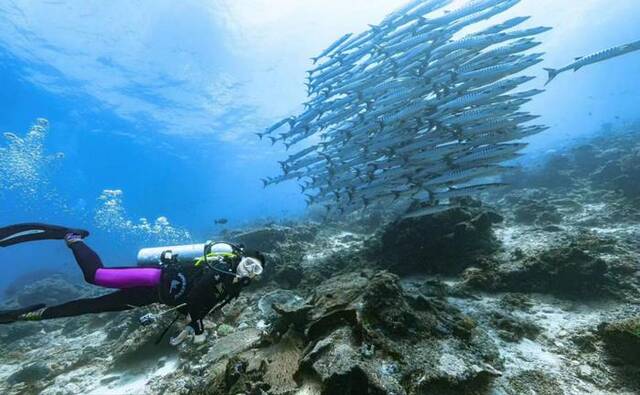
(202, 298)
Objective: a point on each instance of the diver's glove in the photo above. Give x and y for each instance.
(186, 333)
(180, 337)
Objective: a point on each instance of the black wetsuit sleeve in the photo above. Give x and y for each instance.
(202, 298)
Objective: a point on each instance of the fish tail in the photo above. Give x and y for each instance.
(260, 135)
(265, 182)
(553, 73)
(273, 140)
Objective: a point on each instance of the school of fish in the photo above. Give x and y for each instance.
(413, 112)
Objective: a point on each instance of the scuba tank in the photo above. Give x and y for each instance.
(158, 255)
(189, 253)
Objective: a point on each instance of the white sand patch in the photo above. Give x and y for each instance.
(115, 384)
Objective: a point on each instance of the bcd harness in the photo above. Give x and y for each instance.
(224, 260)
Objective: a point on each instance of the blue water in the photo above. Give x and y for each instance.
(160, 100)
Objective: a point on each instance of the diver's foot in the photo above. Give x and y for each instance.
(72, 237)
(32, 315)
(34, 312)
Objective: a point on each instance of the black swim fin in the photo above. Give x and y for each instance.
(9, 316)
(20, 233)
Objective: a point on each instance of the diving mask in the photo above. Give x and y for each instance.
(249, 267)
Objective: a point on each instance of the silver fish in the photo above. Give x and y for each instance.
(429, 210)
(597, 57)
(333, 46)
(403, 111)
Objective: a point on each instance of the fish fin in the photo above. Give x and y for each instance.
(578, 58)
(577, 68)
(553, 73)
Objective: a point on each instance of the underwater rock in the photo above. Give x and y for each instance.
(516, 301)
(534, 382)
(30, 374)
(49, 290)
(239, 379)
(29, 278)
(585, 341)
(386, 310)
(340, 366)
(444, 243)
(513, 329)
(536, 212)
(355, 319)
(554, 174)
(264, 239)
(566, 271)
(267, 239)
(292, 315)
(224, 330)
(585, 159)
(622, 339)
(289, 275)
(18, 331)
(285, 300)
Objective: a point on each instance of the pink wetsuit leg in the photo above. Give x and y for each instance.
(128, 277)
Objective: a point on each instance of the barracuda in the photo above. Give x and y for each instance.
(407, 106)
(597, 57)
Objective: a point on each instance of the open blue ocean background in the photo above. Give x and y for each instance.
(157, 102)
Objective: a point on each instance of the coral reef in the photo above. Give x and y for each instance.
(444, 243)
(623, 339)
(533, 291)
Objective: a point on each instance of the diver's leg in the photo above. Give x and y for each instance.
(117, 301)
(87, 259)
(118, 277)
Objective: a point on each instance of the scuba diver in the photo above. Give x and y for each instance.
(191, 286)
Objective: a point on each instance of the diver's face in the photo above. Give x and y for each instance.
(249, 267)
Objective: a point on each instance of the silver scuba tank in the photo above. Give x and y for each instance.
(180, 254)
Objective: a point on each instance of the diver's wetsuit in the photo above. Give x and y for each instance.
(200, 287)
